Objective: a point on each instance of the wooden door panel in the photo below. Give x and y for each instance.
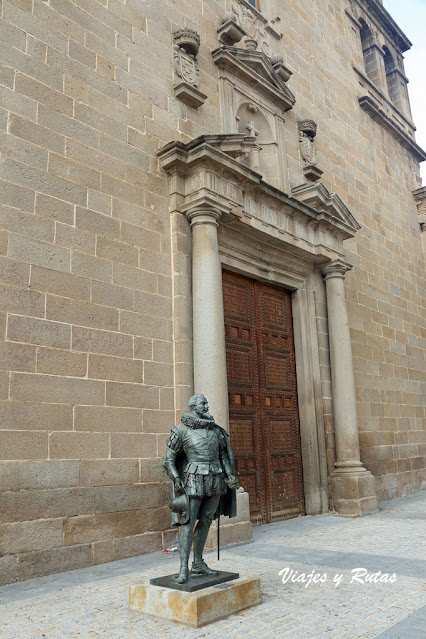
(264, 424)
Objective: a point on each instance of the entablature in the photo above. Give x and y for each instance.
(208, 172)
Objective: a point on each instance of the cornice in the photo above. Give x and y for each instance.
(312, 203)
(378, 114)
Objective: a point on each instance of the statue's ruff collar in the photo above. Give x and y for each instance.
(197, 422)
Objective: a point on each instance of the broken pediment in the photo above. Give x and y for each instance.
(257, 71)
(328, 204)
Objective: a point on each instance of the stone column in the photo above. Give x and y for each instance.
(353, 486)
(208, 324)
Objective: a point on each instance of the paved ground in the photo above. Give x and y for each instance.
(92, 603)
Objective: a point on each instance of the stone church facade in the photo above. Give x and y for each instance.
(203, 196)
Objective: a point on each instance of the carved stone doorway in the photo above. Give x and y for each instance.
(263, 410)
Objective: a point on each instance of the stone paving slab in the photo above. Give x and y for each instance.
(93, 602)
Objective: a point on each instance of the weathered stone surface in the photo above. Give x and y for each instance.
(196, 608)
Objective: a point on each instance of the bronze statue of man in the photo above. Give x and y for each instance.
(200, 463)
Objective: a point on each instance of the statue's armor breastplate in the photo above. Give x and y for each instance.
(201, 447)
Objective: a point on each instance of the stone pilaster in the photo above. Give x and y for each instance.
(353, 486)
(208, 326)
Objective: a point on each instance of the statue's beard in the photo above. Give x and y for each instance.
(205, 415)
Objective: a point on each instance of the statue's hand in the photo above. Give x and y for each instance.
(232, 482)
(179, 487)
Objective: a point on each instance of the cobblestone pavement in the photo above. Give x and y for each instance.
(93, 602)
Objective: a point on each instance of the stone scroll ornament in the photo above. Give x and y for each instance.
(307, 132)
(186, 44)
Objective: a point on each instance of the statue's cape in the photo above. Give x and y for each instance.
(228, 501)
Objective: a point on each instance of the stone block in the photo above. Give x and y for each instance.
(31, 535)
(8, 570)
(117, 251)
(17, 357)
(39, 91)
(354, 494)
(32, 132)
(81, 313)
(158, 421)
(196, 608)
(38, 331)
(146, 325)
(36, 475)
(153, 304)
(107, 419)
(73, 238)
(78, 445)
(103, 552)
(133, 446)
(143, 348)
(60, 362)
(135, 278)
(39, 253)
(131, 395)
(64, 284)
(14, 273)
(111, 295)
(29, 416)
(51, 389)
(137, 545)
(26, 505)
(23, 445)
(92, 267)
(152, 471)
(108, 472)
(93, 528)
(121, 498)
(106, 342)
(46, 562)
(21, 302)
(97, 223)
(115, 369)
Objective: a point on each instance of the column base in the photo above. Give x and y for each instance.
(354, 493)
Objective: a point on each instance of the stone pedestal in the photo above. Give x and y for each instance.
(352, 485)
(196, 608)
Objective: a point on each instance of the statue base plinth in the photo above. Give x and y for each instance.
(199, 607)
(195, 582)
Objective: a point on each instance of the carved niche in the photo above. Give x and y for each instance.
(253, 89)
(185, 66)
(307, 132)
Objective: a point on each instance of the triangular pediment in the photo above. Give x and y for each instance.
(256, 70)
(329, 204)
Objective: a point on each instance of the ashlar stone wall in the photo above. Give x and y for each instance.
(88, 306)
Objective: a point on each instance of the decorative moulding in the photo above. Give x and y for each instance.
(209, 168)
(186, 71)
(256, 69)
(377, 113)
(318, 197)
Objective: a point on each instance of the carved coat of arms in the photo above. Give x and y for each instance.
(186, 67)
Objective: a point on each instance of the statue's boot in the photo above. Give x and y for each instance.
(201, 568)
(185, 543)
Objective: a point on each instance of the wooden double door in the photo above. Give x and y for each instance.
(263, 414)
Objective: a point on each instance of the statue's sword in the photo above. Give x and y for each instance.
(218, 537)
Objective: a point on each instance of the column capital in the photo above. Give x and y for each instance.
(204, 210)
(335, 268)
(203, 215)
